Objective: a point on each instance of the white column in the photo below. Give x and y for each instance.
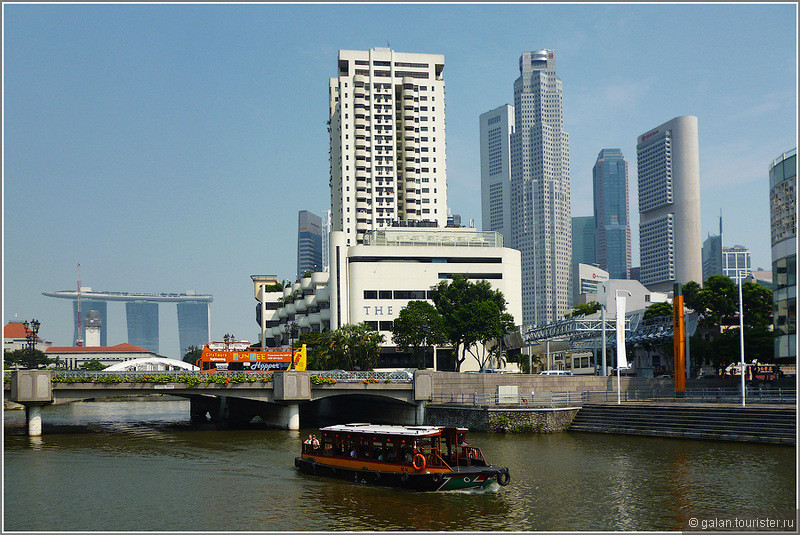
(293, 417)
(34, 417)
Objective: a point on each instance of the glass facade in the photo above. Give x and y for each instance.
(309, 243)
(783, 212)
(192, 325)
(142, 319)
(583, 241)
(613, 229)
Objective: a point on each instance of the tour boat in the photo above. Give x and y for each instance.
(422, 458)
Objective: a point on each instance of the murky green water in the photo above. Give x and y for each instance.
(127, 466)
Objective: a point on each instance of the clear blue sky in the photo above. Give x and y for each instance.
(168, 148)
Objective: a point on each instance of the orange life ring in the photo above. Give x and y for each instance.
(418, 461)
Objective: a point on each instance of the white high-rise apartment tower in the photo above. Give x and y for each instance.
(496, 128)
(541, 224)
(387, 137)
(668, 162)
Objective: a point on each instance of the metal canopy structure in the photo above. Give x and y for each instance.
(585, 333)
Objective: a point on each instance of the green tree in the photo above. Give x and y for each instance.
(192, 354)
(418, 326)
(469, 316)
(25, 358)
(316, 349)
(657, 310)
(93, 365)
(718, 305)
(354, 346)
(583, 309)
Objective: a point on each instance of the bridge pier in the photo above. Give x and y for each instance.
(420, 416)
(33, 415)
(32, 388)
(292, 416)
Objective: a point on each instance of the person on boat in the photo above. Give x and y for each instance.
(308, 440)
(314, 442)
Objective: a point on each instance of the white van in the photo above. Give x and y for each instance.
(556, 372)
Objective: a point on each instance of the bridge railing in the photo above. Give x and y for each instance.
(344, 376)
(157, 376)
(184, 376)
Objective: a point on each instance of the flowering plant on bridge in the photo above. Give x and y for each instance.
(317, 380)
(370, 380)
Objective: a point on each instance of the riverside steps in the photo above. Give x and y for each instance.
(766, 424)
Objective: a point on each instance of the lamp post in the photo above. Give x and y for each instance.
(31, 330)
(741, 338)
(291, 330)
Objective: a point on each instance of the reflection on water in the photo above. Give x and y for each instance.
(143, 466)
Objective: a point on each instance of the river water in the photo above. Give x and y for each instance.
(141, 466)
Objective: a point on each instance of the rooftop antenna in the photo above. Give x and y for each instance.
(79, 339)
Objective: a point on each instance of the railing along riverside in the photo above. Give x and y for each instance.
(573, 399)
(706, 395)
(534, 399)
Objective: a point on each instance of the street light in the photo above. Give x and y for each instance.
(291, 329)
(31, 330)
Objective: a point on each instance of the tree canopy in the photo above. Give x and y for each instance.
(583, 309)
(717, 302)
(473, 314)
(25, 358)
(418, 326)
(350, 347)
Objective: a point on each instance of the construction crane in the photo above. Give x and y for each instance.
(79, 339)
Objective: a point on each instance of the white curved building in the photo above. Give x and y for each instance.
(668, 161)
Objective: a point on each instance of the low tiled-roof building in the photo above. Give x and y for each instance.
(73, 357)
(15, 336)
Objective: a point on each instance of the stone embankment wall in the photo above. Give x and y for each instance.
(503, 420)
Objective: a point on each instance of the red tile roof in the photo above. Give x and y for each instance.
(16, 329)
(119, 348)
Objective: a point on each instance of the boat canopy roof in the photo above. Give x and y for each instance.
(409, 431)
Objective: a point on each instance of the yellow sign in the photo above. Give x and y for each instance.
(300, 359)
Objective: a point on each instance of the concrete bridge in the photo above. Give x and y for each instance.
(277, 402)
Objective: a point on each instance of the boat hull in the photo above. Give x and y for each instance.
(462, 478)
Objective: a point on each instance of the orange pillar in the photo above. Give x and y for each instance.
(679, 342)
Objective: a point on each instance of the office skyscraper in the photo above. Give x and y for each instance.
(309, 243)
(783, 227)
(583, 241)
(540, 190)
(612, 225)
(496, 127)
(668, 163)
(387, 136)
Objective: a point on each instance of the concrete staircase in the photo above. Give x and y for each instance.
(763, 424)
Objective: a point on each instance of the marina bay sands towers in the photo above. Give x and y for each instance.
(141, 312)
